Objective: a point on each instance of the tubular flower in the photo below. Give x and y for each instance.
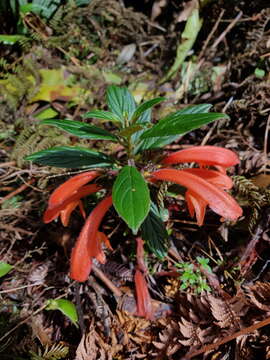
(144, 304)
(214, 177)
(66, 212)
(204, 156)
(70, 187)
(202, 192)
(62, 195)
(88, 244)
(65, 207)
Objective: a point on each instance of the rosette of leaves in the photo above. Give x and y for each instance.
(137, 133)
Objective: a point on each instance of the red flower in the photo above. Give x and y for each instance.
(204, 155)
(144, 304)
(202, 192)
(67, 197)
(88, 244)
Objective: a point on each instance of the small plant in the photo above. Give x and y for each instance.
(192, 277)
(131, 183)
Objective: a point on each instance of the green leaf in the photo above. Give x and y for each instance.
(130, 130)
(46, 8)
(121, 102)
(145, 106)
(48, 113)
(131, 197)
(4, 268)
(180, 124)
(104, 115)
(188, 38)
(71, 157)
(155, 233)
(11, 39)
(81, 129)
(66, 307)
(144, 119)
(259, 73)
(158, 142)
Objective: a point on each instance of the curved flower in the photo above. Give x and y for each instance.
(69, 188)
(65, 207)
(217, 199)
(66, 212)
(196, 206)
(88, 244)
(144, 304)
(214, 177)
(204, 155)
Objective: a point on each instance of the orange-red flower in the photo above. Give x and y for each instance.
(67, 197)
(204, 155)
(88, 244)
(201, 192)
(144, 303)
(144, 306)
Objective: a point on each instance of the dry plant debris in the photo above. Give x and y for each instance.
(228, 65)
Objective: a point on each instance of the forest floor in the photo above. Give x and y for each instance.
(222, 313)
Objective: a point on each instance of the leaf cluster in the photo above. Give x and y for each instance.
(135, 131)
(192, 277)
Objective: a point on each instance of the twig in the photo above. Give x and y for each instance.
(211, 34)
(209, 133)
(15, 229)
(107, 281)
(228, 338)
(266, 141)
(7, 164)
(17, 191)
(79, 307)
(19, 288)
(228, 28)
(28, 317)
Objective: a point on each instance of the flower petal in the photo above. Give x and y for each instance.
(53, 211)
(68, 188)
(218, 200)
(196, 204)
(89, 231)
(205, 155)
(103, 238)
(82, 209)
(144, 305)
(214, 177)
(66, 212)
(80, 263)
(140, 256)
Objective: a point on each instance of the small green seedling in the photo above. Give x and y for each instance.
(66, 307)
(192, 277)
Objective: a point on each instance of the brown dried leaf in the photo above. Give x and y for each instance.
(168, 337)
(38, 275)
(134, 329)
(188, 8)
(195, 334)
(43, 333)
(88, 349)
(157, 8)
(92, 347)
(224, 311)
(259, 294)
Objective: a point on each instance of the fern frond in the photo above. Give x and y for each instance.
(255, 197)
(32, 139)
(55, 352)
